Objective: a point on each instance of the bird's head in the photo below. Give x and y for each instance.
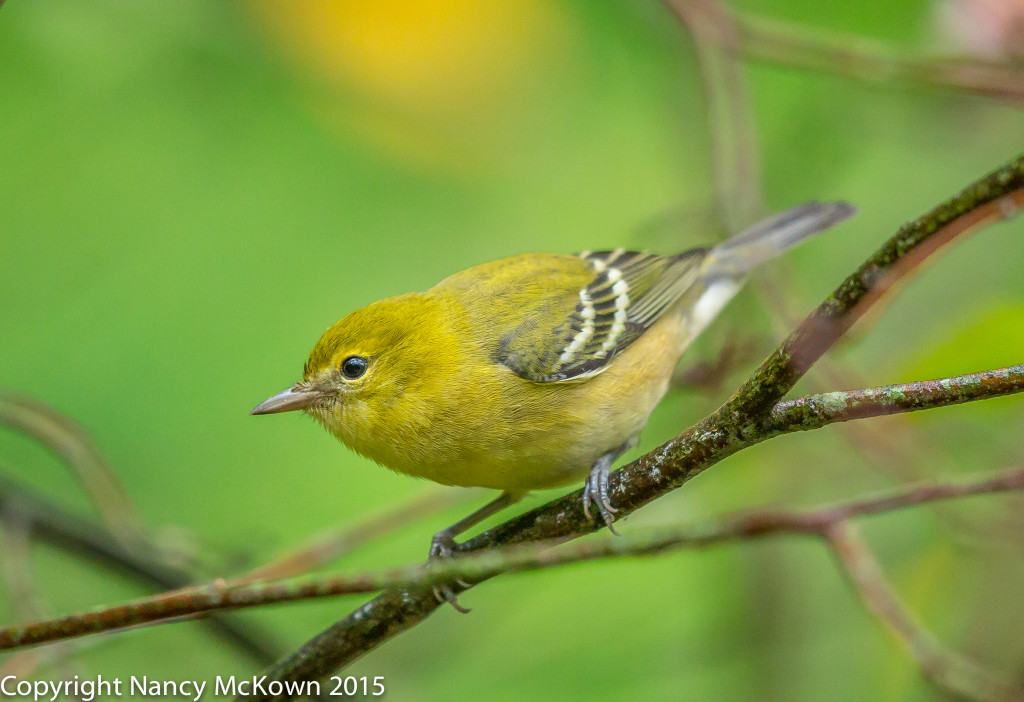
(369, 369)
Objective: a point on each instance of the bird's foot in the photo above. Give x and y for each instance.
(441, 547)
(595, 491)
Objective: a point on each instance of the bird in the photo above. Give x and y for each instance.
(530, 372)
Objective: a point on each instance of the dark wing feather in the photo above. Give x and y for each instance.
(629, 292)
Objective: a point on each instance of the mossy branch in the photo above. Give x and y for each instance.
(738, 424)
(754, 413)
(822, 409)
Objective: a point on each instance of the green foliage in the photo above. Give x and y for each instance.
(185, 206)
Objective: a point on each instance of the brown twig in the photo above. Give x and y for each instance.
(856, 57)
(719, 35)
(859, 58)
(51, 523)
(17, 569)
(483, 564)
(814, 411)
(708, 377)
(730, 122)
(951, 671)
(69, 441)
(340, 541)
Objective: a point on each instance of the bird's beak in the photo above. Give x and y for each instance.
(294, 398)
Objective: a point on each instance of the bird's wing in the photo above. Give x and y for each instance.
(575, 336)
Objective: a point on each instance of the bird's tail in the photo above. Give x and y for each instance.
(768, 238)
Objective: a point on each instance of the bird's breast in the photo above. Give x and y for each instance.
(491, 428)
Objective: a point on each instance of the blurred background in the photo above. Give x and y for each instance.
(191, 192)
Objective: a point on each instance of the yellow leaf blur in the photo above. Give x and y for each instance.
(440, 67)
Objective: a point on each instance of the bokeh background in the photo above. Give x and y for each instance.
(191, 192)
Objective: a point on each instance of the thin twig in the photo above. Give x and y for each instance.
(730, 122)
(860, 58)
(485, 563)
(814, 411)
(21, 584)
(80, 536)
(955, 673)
(340, 541)
(71, 443)
(715, 33)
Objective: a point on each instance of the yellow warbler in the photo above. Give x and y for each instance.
(529, 372)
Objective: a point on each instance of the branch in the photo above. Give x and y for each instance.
(752, 415)
(217, 597)
(715, 33)
(719, 37)
(948, 670)
(731, 428)
(57, 526)
(336, 543)
(69, 441)
(860, 58)
(730, 122)
(17, 569)
(816, 411)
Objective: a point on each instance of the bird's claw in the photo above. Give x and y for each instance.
(595, 491)
(443, 546)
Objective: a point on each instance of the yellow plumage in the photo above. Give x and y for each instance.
(434, 405)
(530, 372)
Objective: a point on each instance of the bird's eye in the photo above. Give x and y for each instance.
(353, 367)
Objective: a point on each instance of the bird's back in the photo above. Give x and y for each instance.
(523, 372)
(532, 428)
(551, 318)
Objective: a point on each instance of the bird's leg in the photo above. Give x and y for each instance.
(443, 544)
(595, 490)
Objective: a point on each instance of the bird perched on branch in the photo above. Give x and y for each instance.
(529, 372)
